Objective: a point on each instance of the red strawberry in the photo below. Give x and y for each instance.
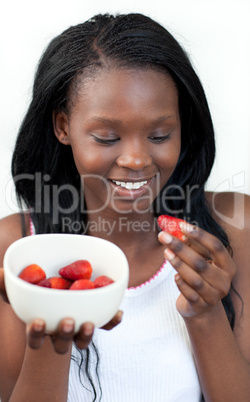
(102, 280)
(32, 274)
(80, 269)
(171, 225)
(82, 284)
(55, 282)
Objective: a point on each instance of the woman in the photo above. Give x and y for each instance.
(119, 131)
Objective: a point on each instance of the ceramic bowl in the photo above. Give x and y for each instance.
(51, 252)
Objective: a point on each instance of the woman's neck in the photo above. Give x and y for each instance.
(124, 230)
(136, 235)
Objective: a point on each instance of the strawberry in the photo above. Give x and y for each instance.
(102, 280)
(170, 224)
(55, 282)
(82, 284)
(80, 269)
(32, 274)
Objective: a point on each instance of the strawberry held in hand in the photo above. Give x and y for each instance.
(32, 274)
(80, 269)
(171, 225)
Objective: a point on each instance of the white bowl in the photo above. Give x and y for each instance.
(51, 252)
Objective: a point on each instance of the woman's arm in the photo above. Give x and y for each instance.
(25, 373)
(222, 356)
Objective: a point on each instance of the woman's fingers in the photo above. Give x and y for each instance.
(187, 291)
(218, 252)
(202, 282)
(115, 321)
(84, 336)
(35, 334)
(211, 287)
(198, 272)
(62, 340)
(220, 256)
(64, 336)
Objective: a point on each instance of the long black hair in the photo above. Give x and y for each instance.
(132, 41)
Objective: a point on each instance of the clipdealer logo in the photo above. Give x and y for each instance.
(47, 195)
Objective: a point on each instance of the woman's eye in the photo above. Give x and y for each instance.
(106, 141)
(159, 139)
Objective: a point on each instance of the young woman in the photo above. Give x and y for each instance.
(118, 132)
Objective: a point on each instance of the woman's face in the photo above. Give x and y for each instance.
(125, 133)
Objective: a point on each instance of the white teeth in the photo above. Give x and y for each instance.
(130, 185)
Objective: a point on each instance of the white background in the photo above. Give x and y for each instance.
(215, 33)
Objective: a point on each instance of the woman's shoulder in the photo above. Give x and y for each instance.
(230, 209)
(12, 228)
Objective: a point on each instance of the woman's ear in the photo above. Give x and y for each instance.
(61, 127)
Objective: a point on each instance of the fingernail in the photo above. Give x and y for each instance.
(119, 316)
(88, 329)
(186, 227)
(38, 325)
(166, 237)
(68, 325)
(169, 254)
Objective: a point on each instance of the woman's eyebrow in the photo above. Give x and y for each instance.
(163, 118)
(104, 119)
(110, 120)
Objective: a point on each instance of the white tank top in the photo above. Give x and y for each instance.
(146, 358)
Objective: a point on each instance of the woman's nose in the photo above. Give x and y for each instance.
(134, 158)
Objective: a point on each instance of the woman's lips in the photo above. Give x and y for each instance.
(130, 189)
(130, 185)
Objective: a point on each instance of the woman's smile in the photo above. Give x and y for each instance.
(131, 190)
(130, 185)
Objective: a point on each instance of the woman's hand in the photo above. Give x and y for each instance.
(202, 283)
(63, 337)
